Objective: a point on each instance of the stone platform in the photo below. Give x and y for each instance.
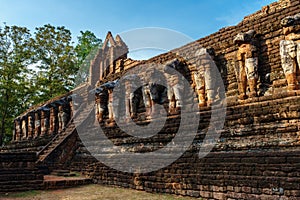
(59, 182)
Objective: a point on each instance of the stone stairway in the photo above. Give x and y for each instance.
(34, 145)
(79, 117)
(56, 141)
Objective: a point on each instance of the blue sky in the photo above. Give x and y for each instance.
(194, 18)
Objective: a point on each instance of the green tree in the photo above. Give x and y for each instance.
(36, 68)
(86, 49)
(55, 62)
(15, 55)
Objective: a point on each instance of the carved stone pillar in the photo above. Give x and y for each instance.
(153, 91)
(52, 121)
(290, 50)
(111, 113)
(44, 123)
(113, 104)
(98, 110)
(62, 118)
(37, 124)
(175, 86)
(149, 104)
(17, 130)
(71, 108)
(203, 81)
(24, 127)
(130, 103)
(247, 64)
(30, 124)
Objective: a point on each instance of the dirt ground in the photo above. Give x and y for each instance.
(90, 192)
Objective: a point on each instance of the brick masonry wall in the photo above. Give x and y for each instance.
(256, 157)
(18, 172)
(26, 145)
(238, 175)
(257, 154)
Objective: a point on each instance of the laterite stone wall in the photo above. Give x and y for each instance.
(18, 172)
(257, 154)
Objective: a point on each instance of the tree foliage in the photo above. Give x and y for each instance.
(55, 61)
(35, 68)
(87, 41)
(86, 49)
(16, 53)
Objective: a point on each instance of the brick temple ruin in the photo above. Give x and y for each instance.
(257, 155)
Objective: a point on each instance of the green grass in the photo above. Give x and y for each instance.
(93, 192)
(26, 194)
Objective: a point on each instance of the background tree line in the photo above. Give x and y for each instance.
(36, 67)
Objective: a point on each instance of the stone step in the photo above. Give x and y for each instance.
(59, 182)
(69, 129)
(63, 172)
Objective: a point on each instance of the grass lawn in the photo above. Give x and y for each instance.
(91, 192)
